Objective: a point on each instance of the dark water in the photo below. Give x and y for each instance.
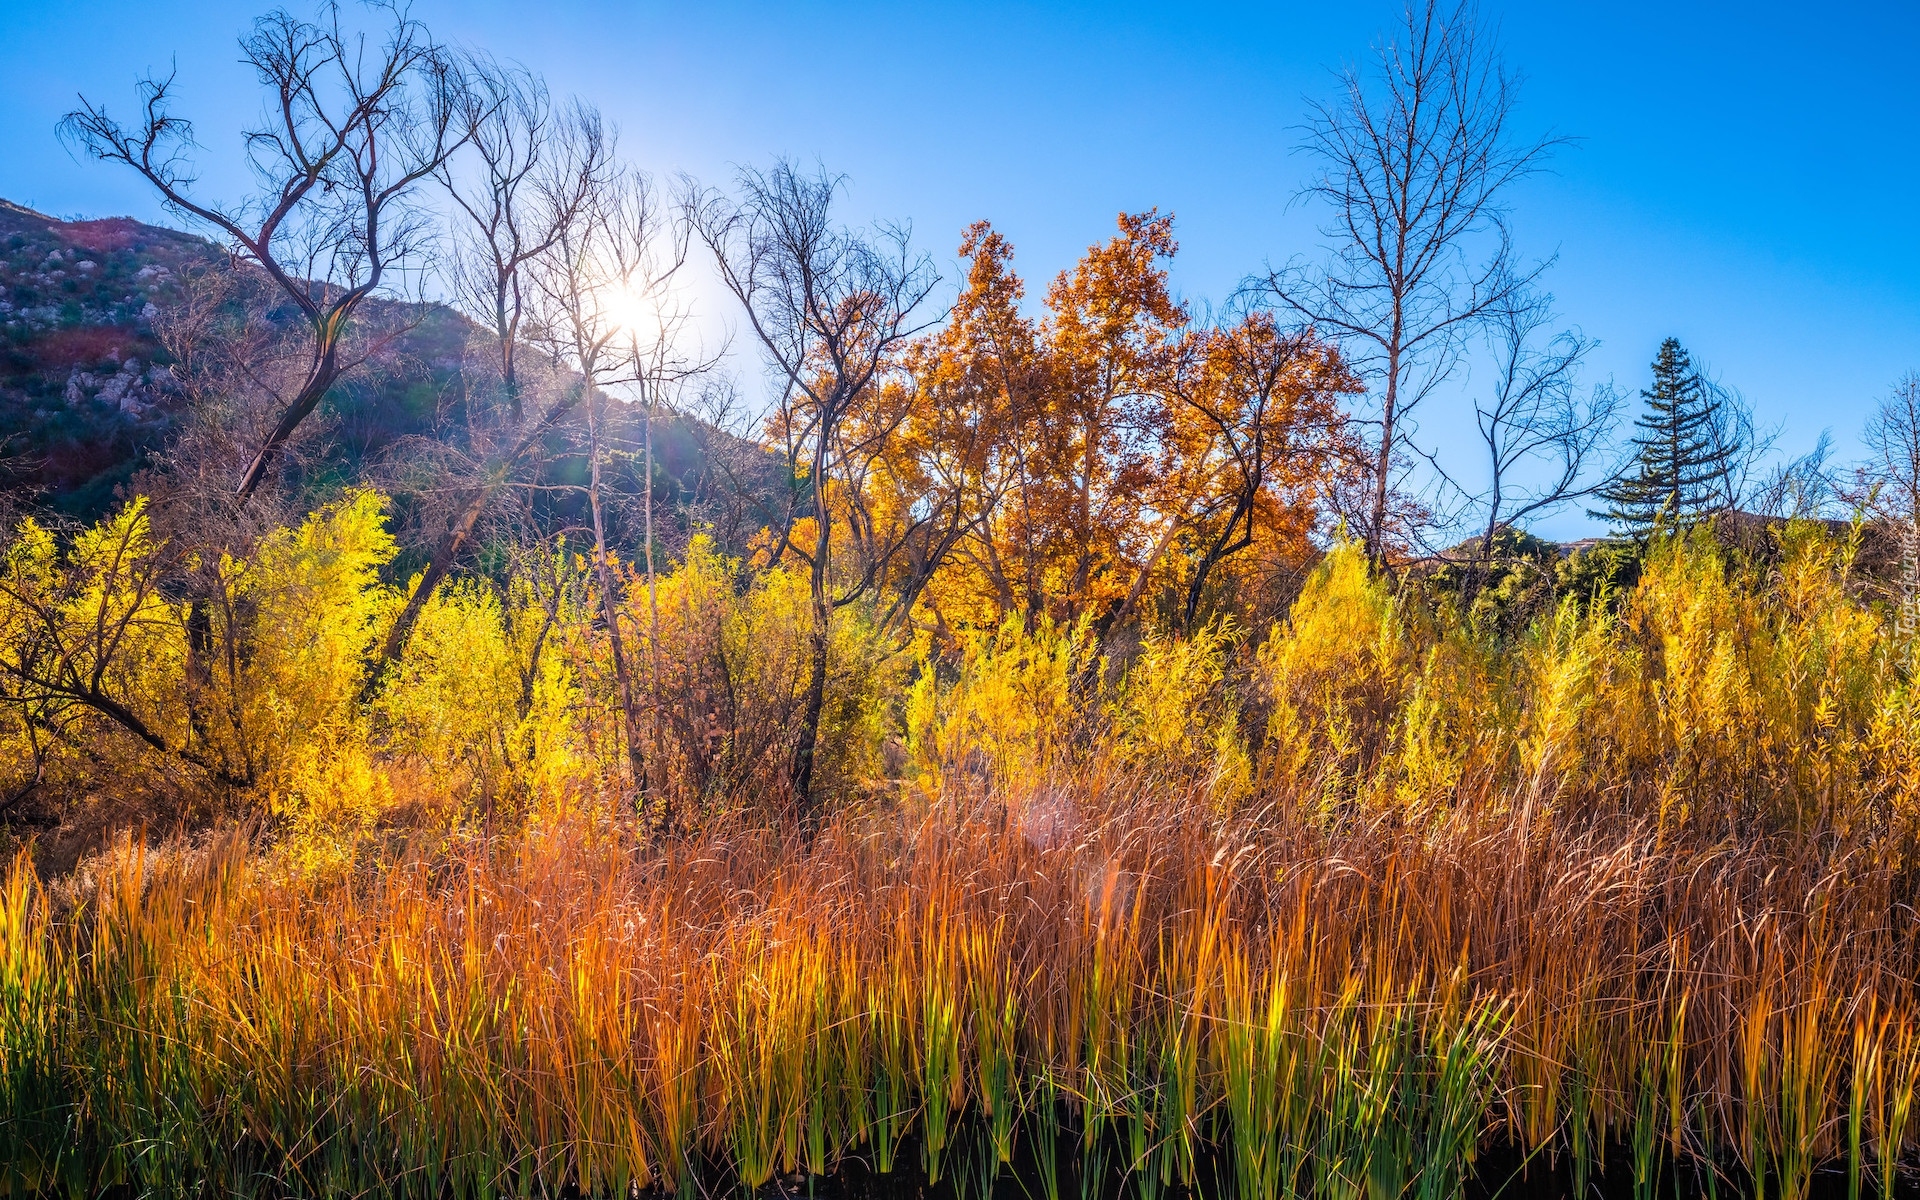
(1501, 1172)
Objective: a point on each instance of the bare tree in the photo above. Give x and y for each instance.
(545, 182)
(1892, 436)
(619, 260)
(1416, 177)
(829, 305)
(352, 130)
(1533, 422)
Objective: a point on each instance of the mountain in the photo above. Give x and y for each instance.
(88, 392)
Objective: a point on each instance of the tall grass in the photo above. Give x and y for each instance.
(1257, 1005)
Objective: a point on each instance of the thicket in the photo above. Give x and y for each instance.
(1326, 907)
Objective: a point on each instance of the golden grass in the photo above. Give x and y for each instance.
(1342, 1009)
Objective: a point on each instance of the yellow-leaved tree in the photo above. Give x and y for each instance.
(93, 656)
(251, 688)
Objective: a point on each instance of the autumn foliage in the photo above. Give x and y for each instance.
(1164, 841)
(1112, 450)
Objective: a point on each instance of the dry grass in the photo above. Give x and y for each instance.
(1342, 1008)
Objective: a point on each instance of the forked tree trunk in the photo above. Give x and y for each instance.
(320, 380)
(815, 700)
(622, 676)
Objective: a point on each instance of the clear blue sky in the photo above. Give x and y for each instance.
(1747, 175)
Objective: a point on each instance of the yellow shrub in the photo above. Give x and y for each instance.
(93, 657)
(451, 702)
(1337, 673)
(1451, 724)
(306, 609)
(1175, 715)
(1743, 693)
(765, 638)
(1163, 711)
(721, 664)
(552, 758)
(333, 802)
(1559, 658)
(1007, 712)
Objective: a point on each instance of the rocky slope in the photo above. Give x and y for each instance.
(85, 391)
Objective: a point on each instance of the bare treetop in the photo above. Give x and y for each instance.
(1414, 165)
(350, 129)
(1532, 416)
(1891, 475)
(815, 293)
(538, 168)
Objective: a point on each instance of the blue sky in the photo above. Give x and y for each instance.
(1746, 176)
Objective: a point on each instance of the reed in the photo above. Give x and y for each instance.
(1346, 1011)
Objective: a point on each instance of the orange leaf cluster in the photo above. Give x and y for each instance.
(1111, 456)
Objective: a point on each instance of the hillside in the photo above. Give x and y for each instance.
(88, 391)
(85, 391)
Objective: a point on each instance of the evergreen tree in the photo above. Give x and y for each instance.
(1681, 456)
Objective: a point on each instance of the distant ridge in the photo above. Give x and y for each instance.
(23, 210)
(85, 394)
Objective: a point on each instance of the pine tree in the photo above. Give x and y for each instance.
(1680, 460)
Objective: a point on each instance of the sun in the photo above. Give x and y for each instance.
(635, 314)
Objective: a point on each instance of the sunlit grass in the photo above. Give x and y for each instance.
(1267, 1007)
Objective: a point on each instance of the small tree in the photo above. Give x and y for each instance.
(1683, 456)
(830, 307)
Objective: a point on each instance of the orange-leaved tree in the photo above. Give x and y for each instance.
(1254, 435)
(1111, 447)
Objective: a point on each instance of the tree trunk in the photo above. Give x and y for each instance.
(1377, 526)
(623, 678)
(326, 371)
(509, 336)
(653, 630)
(1483, 557)
(809, 735)
(438, 568)
(1223, 546)
(816, 695)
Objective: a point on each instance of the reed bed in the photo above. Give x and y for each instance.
(1094, 980)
